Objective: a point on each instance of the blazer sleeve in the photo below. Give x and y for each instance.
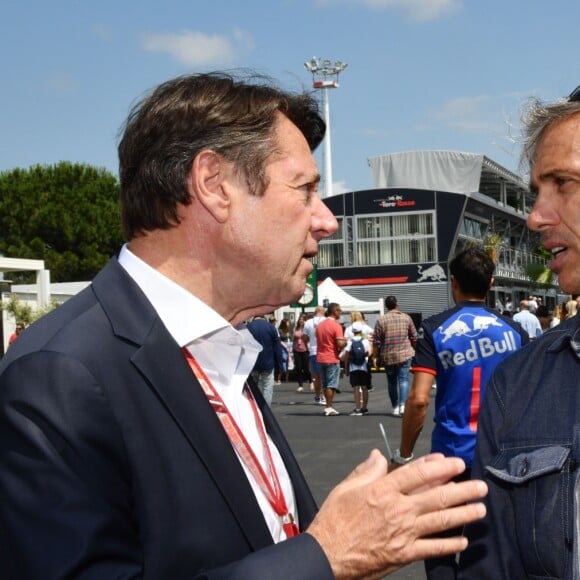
(64, 481)
(67, 508)
(300, 558)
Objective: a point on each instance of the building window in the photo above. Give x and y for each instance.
(396, 239)
(473, 229)
(331, 250)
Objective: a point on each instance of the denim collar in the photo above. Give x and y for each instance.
(566, 334)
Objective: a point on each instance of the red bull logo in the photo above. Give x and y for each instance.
(480, 348)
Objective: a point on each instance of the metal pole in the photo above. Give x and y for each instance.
(325, 76)
(327, 148)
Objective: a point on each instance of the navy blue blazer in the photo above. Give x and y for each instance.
(112, 463)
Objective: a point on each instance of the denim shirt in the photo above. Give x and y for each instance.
(528, 447)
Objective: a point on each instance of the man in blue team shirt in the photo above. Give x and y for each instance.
(460, 347)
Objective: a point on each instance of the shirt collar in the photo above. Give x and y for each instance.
(222, 350)
(185, 316)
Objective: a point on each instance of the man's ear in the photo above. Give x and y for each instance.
(208, 183)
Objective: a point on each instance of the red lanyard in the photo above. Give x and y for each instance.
(270, 487)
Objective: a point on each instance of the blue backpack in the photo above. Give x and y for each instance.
(358, 354)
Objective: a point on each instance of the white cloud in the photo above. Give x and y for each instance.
(418, 10)
(339, 187)
(468, 114)
(197, 49)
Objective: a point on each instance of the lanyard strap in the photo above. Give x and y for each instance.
(270, 486)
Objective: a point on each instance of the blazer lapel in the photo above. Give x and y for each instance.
(160, 360)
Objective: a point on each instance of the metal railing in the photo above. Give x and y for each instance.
(512, 263)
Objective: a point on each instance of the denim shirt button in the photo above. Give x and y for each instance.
(524, 468)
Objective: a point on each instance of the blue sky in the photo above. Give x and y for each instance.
(422, 74)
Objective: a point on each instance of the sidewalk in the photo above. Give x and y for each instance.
(328, 448)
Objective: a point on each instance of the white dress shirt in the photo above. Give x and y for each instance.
(226, 354)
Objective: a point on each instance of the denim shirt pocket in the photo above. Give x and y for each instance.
(540, 490)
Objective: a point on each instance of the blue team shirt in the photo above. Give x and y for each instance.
(461, 347)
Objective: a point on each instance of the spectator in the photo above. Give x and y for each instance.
(356, 367)
(461, 347)
(310, 331)
(528, 321)
(269, 358)
(394, 337)
(329, 341)
(300, 351)
(285, 349)
(544, 317)
(17, 331)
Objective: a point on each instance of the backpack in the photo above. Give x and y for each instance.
(358, 354)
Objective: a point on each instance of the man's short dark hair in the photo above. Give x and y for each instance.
(332, 308)
(165, 131)
(473, 270)
(390, 302)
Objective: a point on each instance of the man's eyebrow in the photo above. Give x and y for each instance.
(314, 179)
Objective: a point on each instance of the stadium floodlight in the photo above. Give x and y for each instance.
(325, 75)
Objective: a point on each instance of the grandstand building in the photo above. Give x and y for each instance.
(399, 237)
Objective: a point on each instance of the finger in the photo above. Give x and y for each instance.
(426, 548)
(449, 519)
(426, 472)
(374, 467)
(449, 495)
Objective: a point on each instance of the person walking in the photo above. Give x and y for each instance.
(270, 357)
(528, 321)
(394, 338)
(300, 352)
(329, 341)
(357, 351)
(310, 331)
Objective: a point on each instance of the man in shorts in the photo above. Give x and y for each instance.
(329, 341)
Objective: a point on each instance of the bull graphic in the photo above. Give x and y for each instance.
(469, 325)
(435, 273)
(483, 322)
(456, 328)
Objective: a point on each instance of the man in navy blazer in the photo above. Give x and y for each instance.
(115, 457)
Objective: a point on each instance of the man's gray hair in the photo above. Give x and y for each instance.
(536, 118)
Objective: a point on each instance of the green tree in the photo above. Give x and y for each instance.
(23, 312)
(65, 214)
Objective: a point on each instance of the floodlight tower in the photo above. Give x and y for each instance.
(325, 77)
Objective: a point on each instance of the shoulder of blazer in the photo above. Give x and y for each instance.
(130, 313)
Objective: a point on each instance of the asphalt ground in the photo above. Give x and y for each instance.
(328, 448)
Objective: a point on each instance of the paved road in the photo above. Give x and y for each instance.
(328, 448)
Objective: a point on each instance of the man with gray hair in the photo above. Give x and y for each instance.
(528, 321)
(528, 443)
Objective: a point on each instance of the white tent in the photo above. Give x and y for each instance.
(329, 290)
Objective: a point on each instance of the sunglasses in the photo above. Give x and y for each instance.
(575, 94)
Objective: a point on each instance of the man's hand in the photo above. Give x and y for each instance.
(372, 523)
